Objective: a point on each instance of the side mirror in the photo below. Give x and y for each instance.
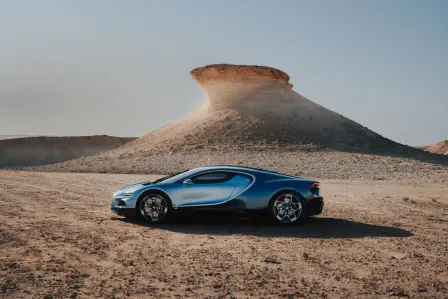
(187, 182)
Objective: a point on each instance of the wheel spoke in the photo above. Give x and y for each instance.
(294, 214)
(297, 208)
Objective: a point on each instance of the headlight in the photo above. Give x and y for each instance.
(127, 192)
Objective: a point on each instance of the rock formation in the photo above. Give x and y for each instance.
(440, 148)
(251, 105)
(231, 86)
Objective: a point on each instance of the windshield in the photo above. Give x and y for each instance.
(162, 179)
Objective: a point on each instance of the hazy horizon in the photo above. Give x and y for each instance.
(122, 68)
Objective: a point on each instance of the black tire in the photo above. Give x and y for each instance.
(273, 212)
(150, 198)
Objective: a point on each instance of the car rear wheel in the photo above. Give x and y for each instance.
(154, 207)
(287, 208)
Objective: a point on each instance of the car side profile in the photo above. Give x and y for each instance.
(283, 198)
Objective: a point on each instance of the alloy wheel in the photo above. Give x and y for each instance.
(154, 207)
(287, 208)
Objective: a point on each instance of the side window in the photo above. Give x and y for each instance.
(211, 178)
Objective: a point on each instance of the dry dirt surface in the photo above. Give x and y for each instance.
(375, 239)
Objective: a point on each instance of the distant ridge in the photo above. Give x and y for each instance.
(3, 137)
(32, 151)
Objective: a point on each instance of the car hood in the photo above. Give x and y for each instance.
(132, 187)
(139, 184)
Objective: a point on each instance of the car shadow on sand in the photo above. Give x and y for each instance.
(313, 227)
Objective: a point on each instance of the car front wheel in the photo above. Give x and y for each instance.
(154, 207)
(287, 208)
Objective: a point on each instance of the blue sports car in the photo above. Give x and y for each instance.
(282, 198)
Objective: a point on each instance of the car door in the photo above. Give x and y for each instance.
(208, 188)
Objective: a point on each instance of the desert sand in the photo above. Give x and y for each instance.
(375, 239)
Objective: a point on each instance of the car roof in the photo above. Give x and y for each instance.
(241, 168)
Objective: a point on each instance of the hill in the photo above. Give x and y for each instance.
(47, 150)
(3, 137)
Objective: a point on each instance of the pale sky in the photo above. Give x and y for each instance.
(122, 67)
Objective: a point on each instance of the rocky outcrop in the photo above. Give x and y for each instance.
(440, 148)
(232, 72)
(229, 86)
(249, 106)
(256, 104)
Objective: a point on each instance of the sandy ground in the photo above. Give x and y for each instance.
(375, 239)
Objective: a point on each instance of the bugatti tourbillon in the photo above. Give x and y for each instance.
(282, 198)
